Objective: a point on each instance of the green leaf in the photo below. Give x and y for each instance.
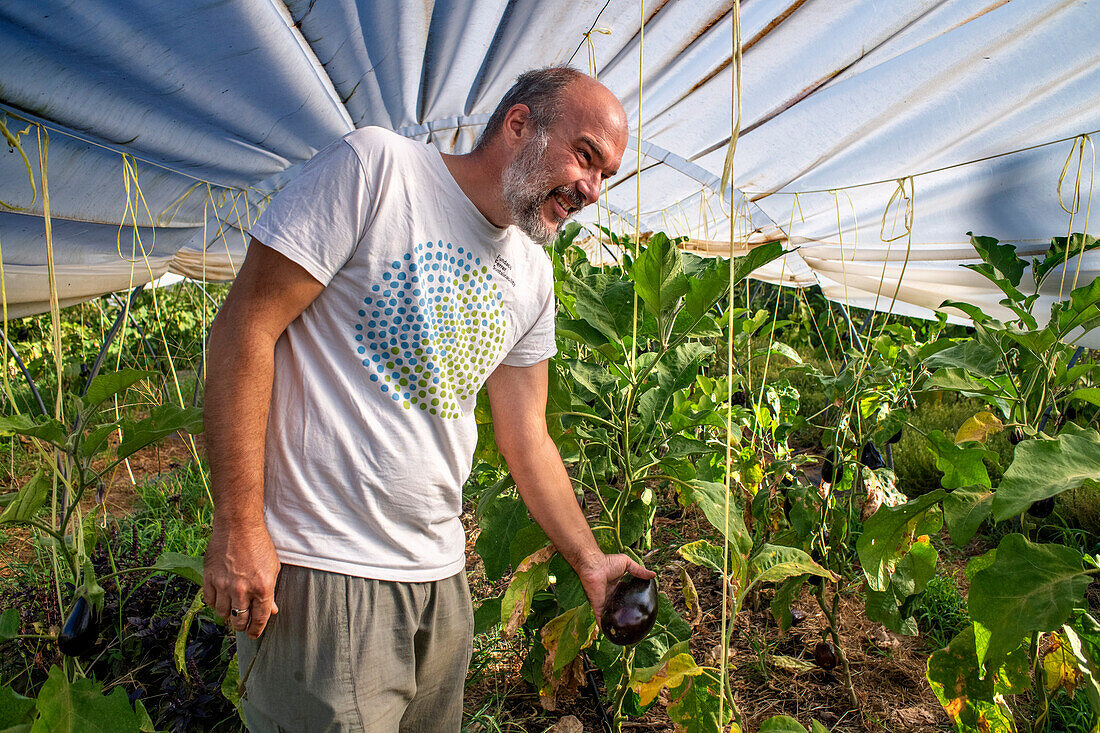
(566, 635)
(593, 377)
(706, 287)
(1086, 394)
(892, 607)
(781, 603)
(961, 465)
(890, 531)
(609, 311)
(82, 707)
(968, 698)
(970, 355)
(964, 510)
(38, 426)
(29, 499)
(1001, 257)
(15, 710)
(1045, 467)
(675, 372)
(704, 554)
(782, 724)
(774, 563)
(108, 384)
(658, 275)
(9, 626)
(1029, 587)
(230, 683)
(1062, 248)
(163, 420)
(182, 565)
(499, 526)
(756, 258)
(954, 379)
(695, 706)
(487, 615)
(579, 331)
(712, 499)
(97, 439)
(680, 446)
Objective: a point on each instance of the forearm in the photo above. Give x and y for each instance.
(237, 400)
(545, 488)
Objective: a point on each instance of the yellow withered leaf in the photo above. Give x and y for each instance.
(671, 674)
(1060, 667)
(978, 428)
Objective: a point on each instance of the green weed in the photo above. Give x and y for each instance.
(941, 611)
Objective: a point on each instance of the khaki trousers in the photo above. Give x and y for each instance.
(348, 654)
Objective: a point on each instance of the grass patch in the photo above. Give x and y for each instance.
(941, 611)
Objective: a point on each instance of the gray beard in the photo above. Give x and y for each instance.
(525, 188)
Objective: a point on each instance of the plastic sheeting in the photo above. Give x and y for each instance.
(183, 119)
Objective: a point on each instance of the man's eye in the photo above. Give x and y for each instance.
(586, 156)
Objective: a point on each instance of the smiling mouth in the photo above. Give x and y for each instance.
(566, 200)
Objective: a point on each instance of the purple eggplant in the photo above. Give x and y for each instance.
(630, 610)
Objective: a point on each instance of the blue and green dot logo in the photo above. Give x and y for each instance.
(429, 332)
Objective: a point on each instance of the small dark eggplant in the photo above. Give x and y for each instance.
(1042, 508)
(825, 655)
(797, 616)
(894, 438)
(870, 457)
(831, 465)
(815, 580)
(80, 630)
(630, 610)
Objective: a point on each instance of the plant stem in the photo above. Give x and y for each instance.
(624, 688)
(831, 615)
(1040, 684)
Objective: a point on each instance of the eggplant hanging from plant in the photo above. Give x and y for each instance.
(825, 655)
(1042, 508)
(871, 457)
(630, 610)
(80, 631)
(832, 465)
(894, 438)
(815, 580)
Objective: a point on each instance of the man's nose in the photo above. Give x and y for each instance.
(589, 187)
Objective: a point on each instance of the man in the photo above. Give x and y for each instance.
(382, 288)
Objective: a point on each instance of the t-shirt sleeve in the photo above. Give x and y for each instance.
(538, 344)
(319, 217)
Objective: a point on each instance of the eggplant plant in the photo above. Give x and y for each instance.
(1031, 629)
(77, 457)
(643, 430)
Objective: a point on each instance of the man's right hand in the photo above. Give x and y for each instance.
(239, 574)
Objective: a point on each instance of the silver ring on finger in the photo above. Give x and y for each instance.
(236, 612)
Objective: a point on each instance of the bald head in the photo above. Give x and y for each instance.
(546, 92)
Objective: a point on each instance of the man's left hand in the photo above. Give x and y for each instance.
(600, 573)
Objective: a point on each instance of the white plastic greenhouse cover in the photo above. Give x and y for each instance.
(184, 117)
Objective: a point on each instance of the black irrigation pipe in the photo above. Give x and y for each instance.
(593, 690)
(30, 379)
(110, 338)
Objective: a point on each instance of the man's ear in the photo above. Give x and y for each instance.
(516, 127)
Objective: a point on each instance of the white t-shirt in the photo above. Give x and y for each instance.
(371, 431)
